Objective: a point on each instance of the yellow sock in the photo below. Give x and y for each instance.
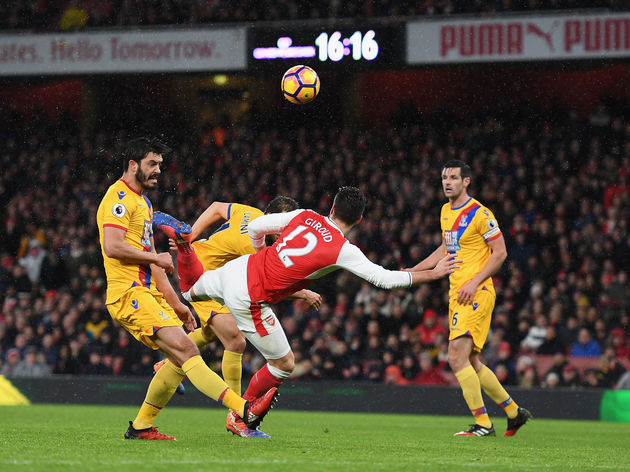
(232, 370)
(160, 391)
(495, 390)
(211, 385)
(471, 388)
(199, 339)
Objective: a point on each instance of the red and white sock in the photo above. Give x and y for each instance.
(267, 377)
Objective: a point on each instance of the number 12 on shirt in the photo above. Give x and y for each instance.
(285, 253)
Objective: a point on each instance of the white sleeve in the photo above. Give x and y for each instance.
(351, 258)
(273, 223)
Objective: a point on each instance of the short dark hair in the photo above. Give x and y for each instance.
(137, 149)
(349, 204)
(282, 204)
(464, 168)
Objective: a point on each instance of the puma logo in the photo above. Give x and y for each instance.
(533, 28)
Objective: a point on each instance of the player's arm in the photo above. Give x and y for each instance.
(312, 298)
(164, 286)
(499, 253)
(273, 223)
(212, 214)
(431, 260)
(115, 246)
(351, 258)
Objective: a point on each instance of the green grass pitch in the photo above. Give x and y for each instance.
(69, 437)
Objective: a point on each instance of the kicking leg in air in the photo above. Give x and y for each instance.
(215, 318)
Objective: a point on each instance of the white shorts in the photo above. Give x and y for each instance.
(260, 325)
(273, 346)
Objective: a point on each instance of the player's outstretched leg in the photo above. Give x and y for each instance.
(513, 424)
(147, 433)
(171, 226)
(189, 267)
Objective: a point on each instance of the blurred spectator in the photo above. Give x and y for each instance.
(12, 360)
(96, 325)
(96, 366)
(551, 344)
(353, 371)
(535, 335)
(529, 377)
(393, 376)
(66, 363)
(504, 367)
(429, 329)
(619, 341)
(552, 380)
(410, 367)
(559, 362)
(610, 369)
(33, 259)
(592, 378)
(585, 346)
(570, 377)
(31, 365)
(375, 372)
(429, 373)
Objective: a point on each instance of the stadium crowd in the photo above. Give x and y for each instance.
(79, 14)
(558, 183)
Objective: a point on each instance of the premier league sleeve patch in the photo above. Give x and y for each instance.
(119, 210)
(493, 229)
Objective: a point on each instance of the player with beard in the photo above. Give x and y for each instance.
(141, 299)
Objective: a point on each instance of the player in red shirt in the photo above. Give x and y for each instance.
(310, 246)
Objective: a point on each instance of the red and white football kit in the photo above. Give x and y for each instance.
(310, 246)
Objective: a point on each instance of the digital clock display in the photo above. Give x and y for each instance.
(357, 47)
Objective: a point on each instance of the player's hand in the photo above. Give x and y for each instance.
(172, 245)
(466, 294)
(165, 261)
(186, 316)
(312, 298)
(446, 266)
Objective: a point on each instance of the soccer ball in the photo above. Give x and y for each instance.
(300, 84)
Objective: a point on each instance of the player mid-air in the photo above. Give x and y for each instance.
(228, 242)
(310, 246)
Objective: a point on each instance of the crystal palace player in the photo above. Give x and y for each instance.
(310, 246)
(470, 231)
(141, 299)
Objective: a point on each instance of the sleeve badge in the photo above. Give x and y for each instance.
(119, 210)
